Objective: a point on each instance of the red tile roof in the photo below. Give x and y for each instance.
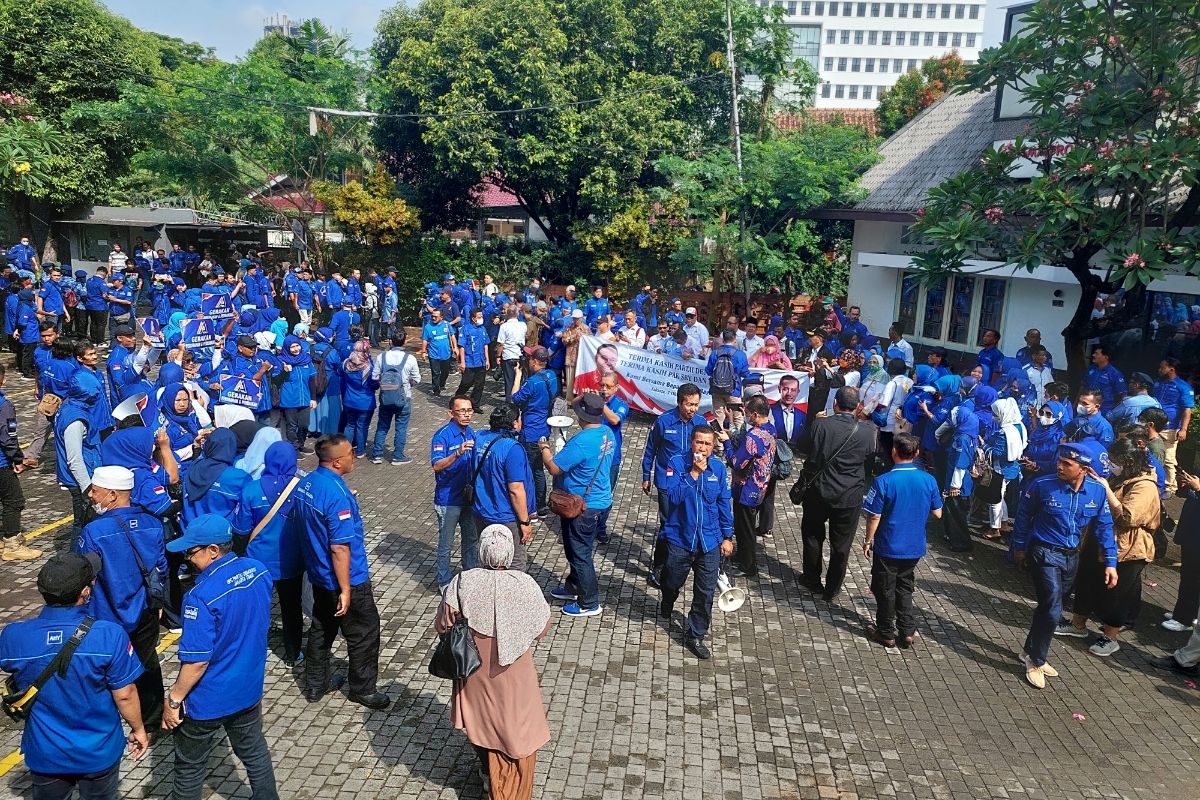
(862, 117)
(492, 196)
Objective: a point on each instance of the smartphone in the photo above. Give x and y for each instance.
(715, 424)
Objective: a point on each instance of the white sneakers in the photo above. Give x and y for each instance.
(1037, 675)
(1174, 625)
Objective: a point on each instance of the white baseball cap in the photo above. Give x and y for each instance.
(115, 478)
(577, 314)
(691, 311)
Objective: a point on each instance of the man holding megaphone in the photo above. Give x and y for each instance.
(698, 531)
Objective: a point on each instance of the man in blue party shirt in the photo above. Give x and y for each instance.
(504, 488)
(1055, 513)
(130, 543)
(1033, 340)
(50, 304)
(335, 555)
(1106, 379)
(120, 304)
(438, 346)
(727, 368)
(535, 398)
(73, 738)
(96, 306)
(670, 436)
(897, 507)
(1088, 422)
(851, 322)
(223, 660)
(23, 254)
(177, 260)
(450, 455)
(474, 358)
(1177, 399)
(991, 357)
(596, 307)
(697, 533)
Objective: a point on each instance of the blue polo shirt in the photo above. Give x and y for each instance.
(536, 399)
(621, 409)
(903, 499)
(277, 545)
(220, 499)
(993, 360)
(474, 341)
(669, 437)
(119, 594)
(594, 309)
(122, 293)
(438, 336)
(95, 288)
(328, 514)
(1109, 382)
(52, 299)
(225, 620)
(505, 463)
(448, 484)
(304, 295)
(74, 727)
(1053, 513)
(1176, 396)
(700, 511)
(586, 459)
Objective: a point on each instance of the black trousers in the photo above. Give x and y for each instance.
(150, 685)
(27, 359)
(291, 614)
(745, 522)
(766, 511)
(539, 472)
(955, 522)
(12, 501)
(1187, 602)
(97, 322)
(842, 524)
(359, 627)
(470, 384)
(892, 584)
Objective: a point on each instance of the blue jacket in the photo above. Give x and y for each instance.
(701, 509)
(10, 313)
(293, 389)
(741, 365)
(1053, 513)
(120, 594)
(536, 400)
(277, 545)
(1092, 427)
(358, 392)
(95, 288)
(669, 437)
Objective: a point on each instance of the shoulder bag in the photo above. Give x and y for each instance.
(455, 656)
(568, 505)
(801, 487)
(18, 705)
(468, 493)
(49, 405)
(157, 595)
(279, 501)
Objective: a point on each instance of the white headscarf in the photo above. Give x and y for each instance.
(226, 414)
(1008, 417)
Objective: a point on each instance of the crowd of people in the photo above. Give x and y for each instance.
(190, 510)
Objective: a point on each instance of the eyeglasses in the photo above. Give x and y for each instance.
(464, 411)
(191, 551)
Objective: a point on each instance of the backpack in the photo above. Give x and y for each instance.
(724, 378)
(781, 467)
(320, 381)
(391, 381)
(70, 298)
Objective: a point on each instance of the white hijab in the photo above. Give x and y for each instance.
(1008, 417)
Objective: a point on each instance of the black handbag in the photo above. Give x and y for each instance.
(455, 656)
(807, 479)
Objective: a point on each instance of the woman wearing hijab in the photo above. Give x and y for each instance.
(135, 449)
(278, 329)
(1005, 446)
(328, 412)
(77, 442)
(770, 356)
(295, 390)
(174, 326)
(947, 395)
(1041, 452)
(246, 323)
(963, 429)
(213, 484)
(499, 706)
(178, 416)
(983, 397)
(1133, 500)
(277, 544)
(252, 458)
(358, 395)
(873, 384)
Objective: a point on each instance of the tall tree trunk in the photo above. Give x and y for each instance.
(1079, 329)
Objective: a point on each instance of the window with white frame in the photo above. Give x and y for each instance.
(819, 9)
(830, 36)
(956, 40)
(839, 91)
(929, 38)
(897, 65)
(845, 37)
(945, 11)
(874, 9)
(825, 89)
(917, 8)
(856, 65)
(883, 65)
(885, 37)
(901, 37)
(950, 310)
(902, 10)
(858, 37)
(869, 66)
(791, 9)
(872, 37)
(805, 9)
(833, 9)
(829, 65)
(973, 12)
(842, 64)
(868, 92)
(942, 39)
(960, 11)
(889, 9)
(970, 40)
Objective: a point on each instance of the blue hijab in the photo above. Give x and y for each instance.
(279, 467)
(220, 448)
(170, 373)
(285, 356)
(132, 448)
(948, 385)
(188, 420)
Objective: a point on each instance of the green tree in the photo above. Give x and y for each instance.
(615, 83)
(27, 148)
(916, 90)
(68, 59)
(370, 210)
(1115, 135)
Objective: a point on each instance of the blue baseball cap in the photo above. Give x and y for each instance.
(447, 277)
(204, 530)
(1087, 453)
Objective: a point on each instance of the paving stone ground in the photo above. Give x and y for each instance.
(795, 703)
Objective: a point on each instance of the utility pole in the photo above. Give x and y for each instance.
(737, 142)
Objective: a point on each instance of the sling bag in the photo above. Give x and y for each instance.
(19, 705)
(568, 505)
(801, 487)
(468, 493)
(262, 523)
(156, 590)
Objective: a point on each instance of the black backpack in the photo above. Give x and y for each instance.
(724, 378)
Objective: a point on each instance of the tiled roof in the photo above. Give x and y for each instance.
(492, 196)
(942, 141)
(862, 117)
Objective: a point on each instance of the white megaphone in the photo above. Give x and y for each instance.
(730, 597)
(558, 426)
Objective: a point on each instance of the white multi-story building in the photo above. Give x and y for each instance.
(859, 49)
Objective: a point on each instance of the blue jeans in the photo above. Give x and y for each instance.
(448, 518)
(401, 414)
(704, 568)
(579, 540)
(373, 331)
(510, 376)
(195, 740)
(1053, 574)
(96, 786)
(357, 424)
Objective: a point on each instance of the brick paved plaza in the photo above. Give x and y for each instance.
(795, 703)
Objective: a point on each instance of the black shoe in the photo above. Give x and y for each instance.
(601, 540)
(665, 609)
(652, 578)
(334, 685)
(1169, 663)
(734, 571)
(375, 700)
(543, 512)
(697, 647)
(829, 597)
(814, 585)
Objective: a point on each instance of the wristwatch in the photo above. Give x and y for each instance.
(524, 522)
(173, 703)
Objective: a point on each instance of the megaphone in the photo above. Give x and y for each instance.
(730, 597)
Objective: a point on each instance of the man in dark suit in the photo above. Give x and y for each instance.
(835, 475)
(788, 421)
(821, 365)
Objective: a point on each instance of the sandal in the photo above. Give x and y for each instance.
(993, 535)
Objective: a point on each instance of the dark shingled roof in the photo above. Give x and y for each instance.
(942, 141)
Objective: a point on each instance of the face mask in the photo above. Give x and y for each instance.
(1081, 410)
(1046, 419)
(99, 508)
